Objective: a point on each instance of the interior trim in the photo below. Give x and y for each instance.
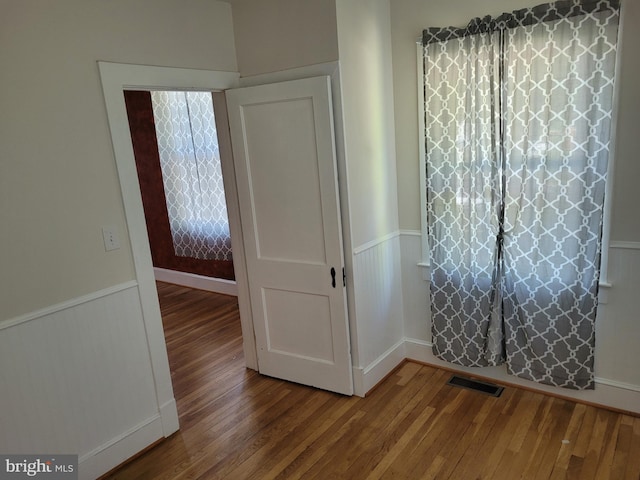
(193, 280)
(74, 302)
(625, 245)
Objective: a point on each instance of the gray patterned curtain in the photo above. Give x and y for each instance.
(517, 124)
(192, 174)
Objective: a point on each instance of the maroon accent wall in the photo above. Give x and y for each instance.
(145, 149)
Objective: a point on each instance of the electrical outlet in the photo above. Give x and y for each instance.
(111, 240)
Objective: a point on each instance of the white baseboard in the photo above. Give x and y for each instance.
(169, 417)
(108, 456)
(607, 393)
(217, 285)
(364, 379)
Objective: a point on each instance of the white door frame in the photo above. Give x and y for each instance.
(115, 78)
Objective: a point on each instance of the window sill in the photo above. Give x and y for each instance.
(603, 292)
(426, 270)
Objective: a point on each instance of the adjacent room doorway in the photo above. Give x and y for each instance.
(282, 194)
(177, 155)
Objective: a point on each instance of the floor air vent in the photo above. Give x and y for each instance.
(477, 385)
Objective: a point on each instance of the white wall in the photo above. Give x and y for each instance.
(77, 378)
(626, 218)
(77, 370)
(277, 35)
(617, 327)
(57, 170)
(364, 46)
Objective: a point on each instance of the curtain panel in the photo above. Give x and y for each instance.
(518, 116)
(192, 174)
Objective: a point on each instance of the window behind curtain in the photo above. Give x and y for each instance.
(558, 139)
(192, 175)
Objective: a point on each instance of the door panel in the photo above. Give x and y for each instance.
(310, 339)
(284, 154)
(293, 171)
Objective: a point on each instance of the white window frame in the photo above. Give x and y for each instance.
(605, 282)
(422, 156)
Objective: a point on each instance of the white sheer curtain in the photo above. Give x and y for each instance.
(192, 175)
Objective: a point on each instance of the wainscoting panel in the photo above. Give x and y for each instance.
(618, 322)
(77, 378)
(378, 306)
(415, 290)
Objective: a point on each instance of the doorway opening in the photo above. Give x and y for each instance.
(115, 79)
(177, 156)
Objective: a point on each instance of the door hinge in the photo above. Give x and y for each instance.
(344, 278)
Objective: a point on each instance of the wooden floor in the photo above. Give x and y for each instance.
(236, 424)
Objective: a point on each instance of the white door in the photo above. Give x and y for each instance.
(284, 156)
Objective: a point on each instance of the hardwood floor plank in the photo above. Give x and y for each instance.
(237, 424)
(484, 437)
(381, 425)
(586, 427)
(605, 462)
(401, 444)
(597, 444)
(561, 466)
(273, 427)
(306, 439)
(411, 457)
(452, 445)
(503, 431)
(311, 460)
(623, 444)
(270, 443)
(632, 470)
(559, 416)
(411, 404)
